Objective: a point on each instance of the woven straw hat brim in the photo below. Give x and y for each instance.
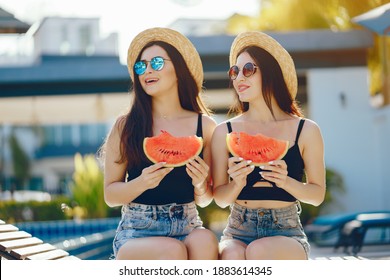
(266, 42)
(174, 38)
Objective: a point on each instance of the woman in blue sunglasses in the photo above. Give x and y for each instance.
(159, 213)
(264, 196)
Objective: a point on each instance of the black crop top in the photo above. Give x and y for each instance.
(176, 187)
(295, 169)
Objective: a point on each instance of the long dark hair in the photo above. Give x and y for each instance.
(273, 84)
(138, 123)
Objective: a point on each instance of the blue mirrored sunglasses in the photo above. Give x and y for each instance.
(157, 64)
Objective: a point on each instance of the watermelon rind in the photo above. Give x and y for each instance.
(175, 151)
(258, 148)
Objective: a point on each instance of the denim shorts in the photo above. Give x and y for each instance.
(170, 220)
(247, 225)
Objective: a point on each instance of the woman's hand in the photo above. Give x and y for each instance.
(198, 170)
(239, 170)
(276, 172)
(152, 175)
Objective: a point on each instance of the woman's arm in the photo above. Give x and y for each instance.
(313, 190)
(116, 191)
(199, 170)
(225, 191)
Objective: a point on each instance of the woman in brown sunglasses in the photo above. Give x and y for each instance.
(265, 198)
(159, 214)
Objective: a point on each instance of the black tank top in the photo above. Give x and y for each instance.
(176, 187)
(295, 168)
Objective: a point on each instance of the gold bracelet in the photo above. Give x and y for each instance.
(207, 188)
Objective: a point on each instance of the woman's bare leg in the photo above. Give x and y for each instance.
(202, 244)
(232, 249)
(153, 248)
(275, 248)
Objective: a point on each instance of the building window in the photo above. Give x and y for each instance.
(86, 45)
(92, 134)
(65, 45)
(50, 136)
(66, 133)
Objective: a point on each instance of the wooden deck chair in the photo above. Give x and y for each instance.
(20, 245)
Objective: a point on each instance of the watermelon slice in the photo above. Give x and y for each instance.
(258, 148)
(175, 151)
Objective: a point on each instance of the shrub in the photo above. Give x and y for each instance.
(87, 187)
(13, 211)
(334, 185)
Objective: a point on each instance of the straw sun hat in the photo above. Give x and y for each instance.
(266, 42)
(174, 38)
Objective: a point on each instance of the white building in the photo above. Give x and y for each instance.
(356, 136)
(72, 36)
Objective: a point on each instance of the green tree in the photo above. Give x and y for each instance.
(288, 15)
(20, 161)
